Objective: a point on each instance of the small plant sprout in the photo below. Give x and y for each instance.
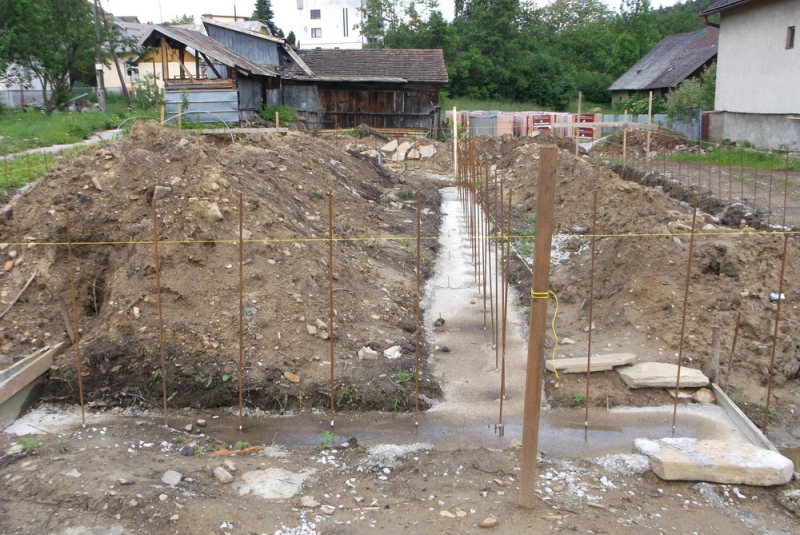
(241, 445)
(325, 439)
(29, 444)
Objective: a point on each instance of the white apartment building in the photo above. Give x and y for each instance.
(321, 23)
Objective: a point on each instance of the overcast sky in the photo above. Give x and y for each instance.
(160, 10)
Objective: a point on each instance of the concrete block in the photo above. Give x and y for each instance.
(600, 363)
(715, 461)
(660, 375)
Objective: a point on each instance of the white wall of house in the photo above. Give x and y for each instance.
(756, 72)
(335, 27)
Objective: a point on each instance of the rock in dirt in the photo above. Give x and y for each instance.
(309, 502)
(367, 353)
(659, 375)
(488, 522)
(292, 378)
(223, 475)
(715, 461)
(171, 478)
(790, 499)
(273, 483)
(704, 395)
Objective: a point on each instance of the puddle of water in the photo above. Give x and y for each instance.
(793, 454)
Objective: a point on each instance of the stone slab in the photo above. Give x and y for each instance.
(600, 363)
(660, 375)
(715, 461)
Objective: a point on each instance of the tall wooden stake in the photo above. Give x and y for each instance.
(548, 160)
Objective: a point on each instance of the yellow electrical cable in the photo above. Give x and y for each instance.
(545, 295)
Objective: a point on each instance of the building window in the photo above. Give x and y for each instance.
(316, 32)
(316, 14)
(345, 22)
(790, 37)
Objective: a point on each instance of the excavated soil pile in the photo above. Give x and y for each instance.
(283, 182)
(640, 274)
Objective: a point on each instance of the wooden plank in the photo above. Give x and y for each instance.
(745, 424)
(28, 370)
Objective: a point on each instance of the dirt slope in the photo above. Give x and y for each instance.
(640, 280)
(284, 183)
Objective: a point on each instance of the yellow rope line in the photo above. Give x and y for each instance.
(235, 241)
(545, 295)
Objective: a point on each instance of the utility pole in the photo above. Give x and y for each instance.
(98, 66)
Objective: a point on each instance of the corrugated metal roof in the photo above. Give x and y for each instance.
(206, 45)
(722, 5)
(412, 65)
(670, 62)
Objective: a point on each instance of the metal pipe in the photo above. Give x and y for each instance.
(683, 318)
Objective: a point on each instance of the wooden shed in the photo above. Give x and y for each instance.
(382, 88)
(224, 85)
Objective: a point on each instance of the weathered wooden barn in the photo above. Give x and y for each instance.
(382, 88)
(224, 86)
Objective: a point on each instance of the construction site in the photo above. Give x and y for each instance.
(301, 333)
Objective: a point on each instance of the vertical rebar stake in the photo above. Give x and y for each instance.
(591, 311)
(330, 299)
(241, 305)
(771, 176)
(775, 333)
(160, 316)
(419, 297)
(8, 185)
(74, 310)
(785, 188)
(733, 348)
(683, 318)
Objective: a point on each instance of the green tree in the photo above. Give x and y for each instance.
(50, 38)
(180, 20)
(692, 94)
(263, 12)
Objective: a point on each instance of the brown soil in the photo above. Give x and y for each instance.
(283, 183)
(639, 277)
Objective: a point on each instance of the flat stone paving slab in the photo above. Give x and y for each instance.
(715, 461)
(600, 363)
(660, 375)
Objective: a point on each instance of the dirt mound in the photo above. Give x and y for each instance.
(283, 182)
(640, 273)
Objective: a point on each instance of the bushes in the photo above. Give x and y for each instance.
(286, 114)
(148, 94)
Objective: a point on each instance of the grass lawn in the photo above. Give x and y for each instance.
(28, 130)
(737, 157)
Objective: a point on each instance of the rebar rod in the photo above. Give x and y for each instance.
(591, 311)
(418, 313)
(160, 316)
(775, 333)
(241, 306)
(74, 309)
(683, 318)
(733, 349)
(330, 300)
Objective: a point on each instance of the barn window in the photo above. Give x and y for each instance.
(316, 14)
(316, 32)
(790, 37)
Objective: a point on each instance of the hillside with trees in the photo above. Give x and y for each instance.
(517, 50)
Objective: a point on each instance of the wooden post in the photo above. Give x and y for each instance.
(455, 140)
(277, 119)
(180, 117)
(625, 140)
(535, 368)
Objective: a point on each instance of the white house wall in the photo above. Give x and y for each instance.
(337, 22)
(756, 73)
